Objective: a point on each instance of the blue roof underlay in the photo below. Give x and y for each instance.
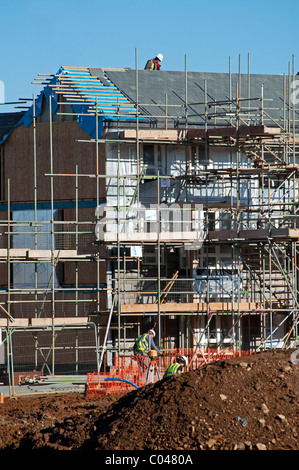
(95, 95)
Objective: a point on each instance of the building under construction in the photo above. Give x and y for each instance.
(135, 199)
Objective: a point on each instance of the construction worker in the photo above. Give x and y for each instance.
(154, 64)
(145, 343)
(176, 367)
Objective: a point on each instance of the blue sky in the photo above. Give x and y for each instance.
(39, 36)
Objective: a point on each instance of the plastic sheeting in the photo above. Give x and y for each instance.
(86, 123)
(27, 118)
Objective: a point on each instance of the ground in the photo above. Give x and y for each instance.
(245, 403)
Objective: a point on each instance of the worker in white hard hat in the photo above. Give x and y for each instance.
(154, 64)
(145, 343)
(177, 367)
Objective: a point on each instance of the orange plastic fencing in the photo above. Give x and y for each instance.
(131, 372)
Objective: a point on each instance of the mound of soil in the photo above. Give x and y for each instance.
(246, 403)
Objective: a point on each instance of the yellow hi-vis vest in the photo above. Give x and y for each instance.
(172, 369)
(150, 65)
(142, 343)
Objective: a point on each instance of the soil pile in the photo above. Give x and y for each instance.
(243, 403)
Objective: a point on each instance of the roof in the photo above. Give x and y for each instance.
(175, 88)
(92, 89)
(180, 97)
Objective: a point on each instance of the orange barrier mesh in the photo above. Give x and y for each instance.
(128, 371)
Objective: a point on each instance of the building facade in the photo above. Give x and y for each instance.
(133, 199)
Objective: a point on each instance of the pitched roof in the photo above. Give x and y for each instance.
(161, 95)
(156, 88)
(90, 87)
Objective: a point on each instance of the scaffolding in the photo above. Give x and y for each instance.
(239, 251)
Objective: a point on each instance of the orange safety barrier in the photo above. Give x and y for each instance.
(128, 371)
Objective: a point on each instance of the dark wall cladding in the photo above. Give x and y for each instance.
(33, 350)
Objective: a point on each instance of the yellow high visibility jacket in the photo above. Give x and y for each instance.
(142, 343)
(172, 369)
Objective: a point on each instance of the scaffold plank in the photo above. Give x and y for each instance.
(58, 321)
(191, 307)
(163, 237)
(155, 134)
(42, 322)
(25, 254)
(242, 131)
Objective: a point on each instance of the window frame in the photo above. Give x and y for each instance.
(158, 164)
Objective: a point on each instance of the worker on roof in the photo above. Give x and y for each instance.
(145, 343)
(154, 64)
(176, 367)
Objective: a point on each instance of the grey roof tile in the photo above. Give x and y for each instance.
(155, 86)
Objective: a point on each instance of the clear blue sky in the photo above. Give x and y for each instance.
(39, 36)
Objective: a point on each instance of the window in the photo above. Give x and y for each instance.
(202, 155)
(270, 158)
(209, 261)
(226, 249)
(23, 274)
(226, 325)
(219, 282)
(225, 221)
(215, 256)
(273, 183)
(150, 255)
(149, 155)
(211, 221)
(219, 220)
(199, 156)
(153, 154)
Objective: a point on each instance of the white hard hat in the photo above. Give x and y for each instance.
(160, 57)
(183, 359)
(152, 332)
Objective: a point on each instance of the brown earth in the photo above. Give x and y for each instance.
(198, 410)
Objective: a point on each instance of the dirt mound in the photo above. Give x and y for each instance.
(245, 403)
